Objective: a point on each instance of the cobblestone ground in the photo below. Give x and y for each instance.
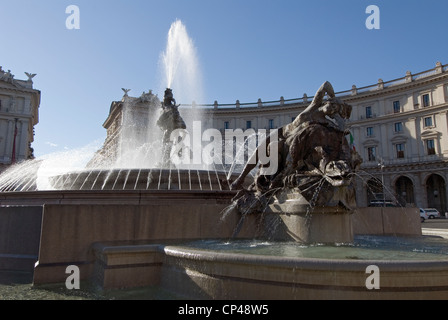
(18, 286)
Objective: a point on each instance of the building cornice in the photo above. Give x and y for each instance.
(14, 86)
(396, 88)
(115, 109)
(392, 87)
(251, 110)
(439, 163)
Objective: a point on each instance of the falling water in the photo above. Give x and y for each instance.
(116, 179)
(365, 176)
(106, 179)
(96, 179)
(139, 145)
(136, 180)
(126, 179)
(148, 179)
(86, 179)
(244, 150)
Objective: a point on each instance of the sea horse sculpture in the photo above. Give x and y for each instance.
(314, 158)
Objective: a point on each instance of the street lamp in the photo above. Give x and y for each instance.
(381, 165)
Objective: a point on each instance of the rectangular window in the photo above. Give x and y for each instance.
(271, 124)
(248, 124)
(398, 126)
(292, 119)
(397, 107)
(425, 100)
(368, 112)
(400, 150)
(430, 147)
(371, 153)
(428, 122)
(369, 131)
(226, 125)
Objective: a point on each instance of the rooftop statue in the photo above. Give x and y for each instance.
(125, 92)
(6, 76)
(314, 158)
(30, 76)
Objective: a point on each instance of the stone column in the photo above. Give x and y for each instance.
(418, 133)
(26, 105)
(413, 129)
(381, 108)
(23, 139)
(445, 175)
(8, 142)
(422, 191)
(385, 147)
(443, 128)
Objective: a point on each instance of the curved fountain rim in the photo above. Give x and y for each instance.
(111, 197)
(136, 191)
(178, 251)
(97, 169)
(46, 195)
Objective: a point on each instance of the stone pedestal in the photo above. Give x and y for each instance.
(295, 219)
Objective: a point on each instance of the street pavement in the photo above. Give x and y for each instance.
(435, 227)
(441, 223)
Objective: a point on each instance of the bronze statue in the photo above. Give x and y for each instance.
(169, 120)
(168, 99)
(312, 150)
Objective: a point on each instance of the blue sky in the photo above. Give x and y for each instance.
(247, 49)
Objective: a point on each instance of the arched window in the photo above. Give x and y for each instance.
(404, 188)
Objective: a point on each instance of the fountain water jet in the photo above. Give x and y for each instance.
(180, 64)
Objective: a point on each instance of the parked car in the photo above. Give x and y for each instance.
(423, 215)
(430, 213)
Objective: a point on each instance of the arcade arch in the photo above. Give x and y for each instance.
(436, 192)
(404, 189)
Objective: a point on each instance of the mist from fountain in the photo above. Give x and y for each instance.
(140, 144)
(140, 137)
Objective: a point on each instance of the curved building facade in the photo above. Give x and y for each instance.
(399, 128)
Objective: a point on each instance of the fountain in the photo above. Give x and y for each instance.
(203, 234)
(312, 189)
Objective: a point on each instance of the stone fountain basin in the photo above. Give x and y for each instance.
(126, 236)
(205, 274)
